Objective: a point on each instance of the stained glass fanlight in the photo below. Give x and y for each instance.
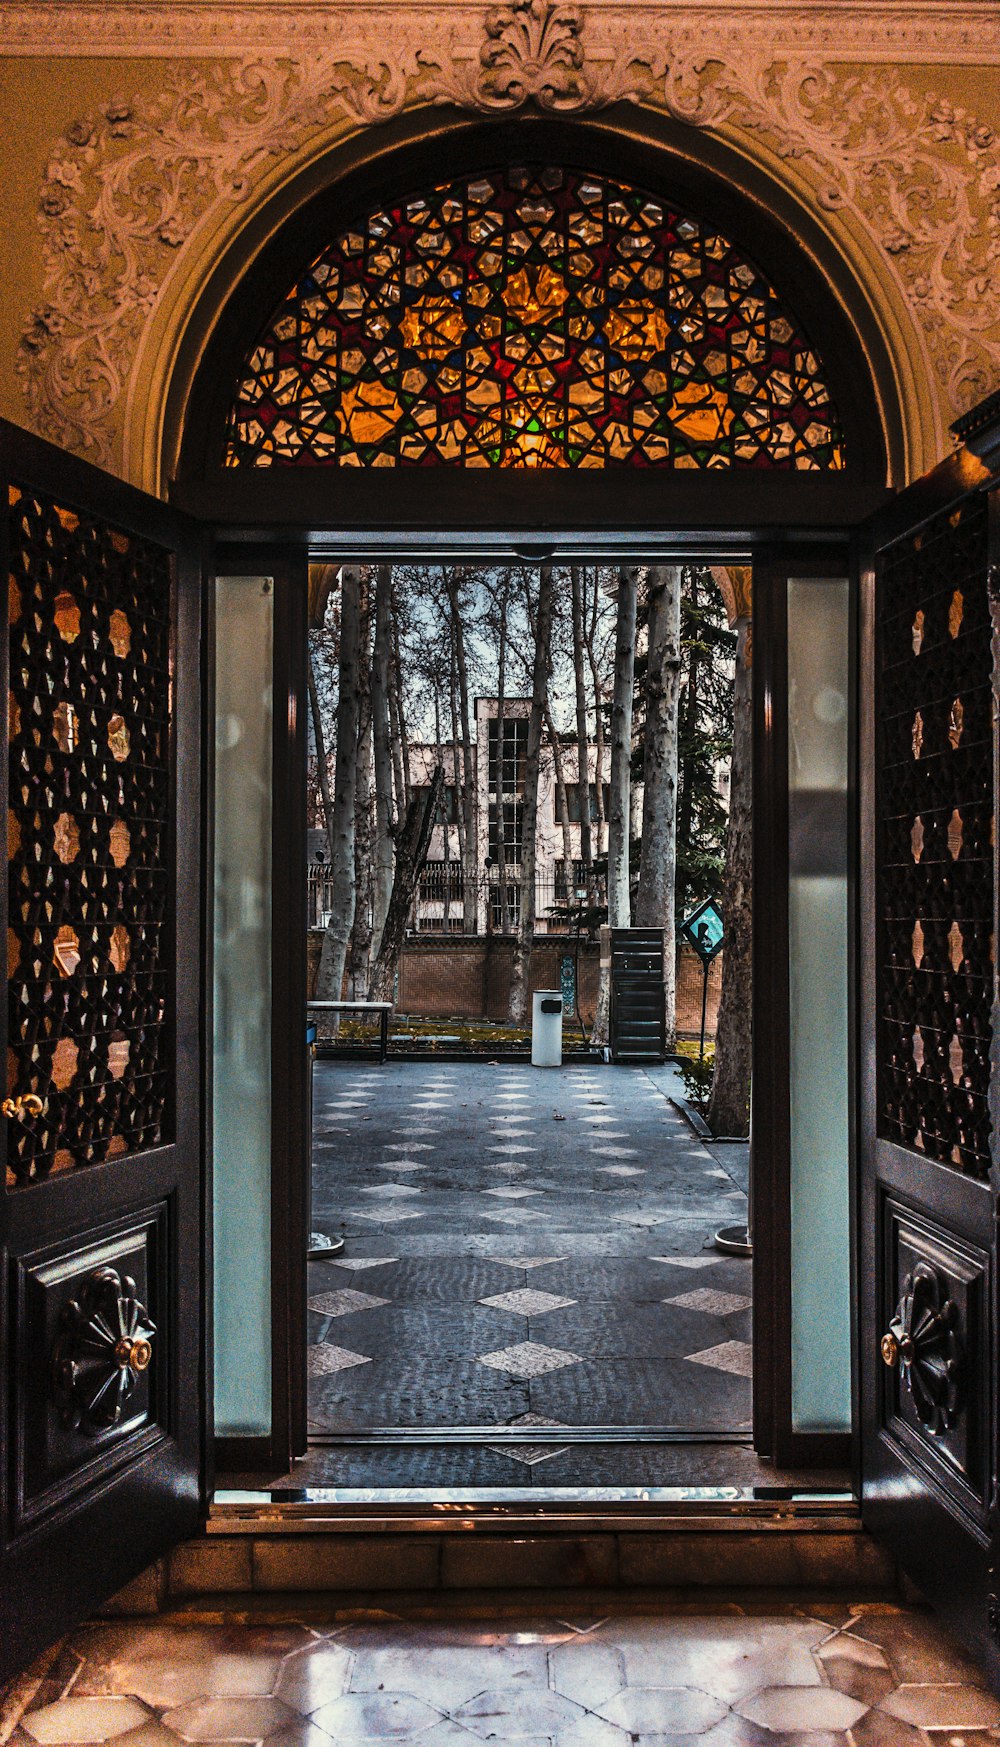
(533, 317)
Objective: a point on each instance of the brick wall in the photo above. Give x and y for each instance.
(468, 977)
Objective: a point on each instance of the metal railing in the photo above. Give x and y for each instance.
(439, 905)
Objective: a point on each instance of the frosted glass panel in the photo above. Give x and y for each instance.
(818, 745)
(242, 1056)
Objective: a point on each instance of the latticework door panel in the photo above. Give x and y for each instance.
(935, 846)
(89, 944)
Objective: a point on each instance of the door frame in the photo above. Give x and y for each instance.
(287, 566)
(811, 552)
(775, 1435)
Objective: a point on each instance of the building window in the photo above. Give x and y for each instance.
(532, 317)
(573, 802)
(515, 751)
(513, 830)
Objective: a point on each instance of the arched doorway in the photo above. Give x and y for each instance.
(574, 347)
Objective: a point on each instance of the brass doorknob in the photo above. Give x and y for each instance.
(890, 1350)
(26, 1104)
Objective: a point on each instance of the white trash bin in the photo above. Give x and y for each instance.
(546, 1028)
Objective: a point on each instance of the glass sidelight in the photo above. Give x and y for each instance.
(244, 636)
(818, 984)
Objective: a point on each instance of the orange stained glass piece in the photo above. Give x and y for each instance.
(66, 838)
(121, 947)
(119, 739)
(956, 724)
(956, 831)
(65, 727)
(13, 835)
(67, 617)
(917, 838)
(917, 946)
(13, 601)
(918, 631)
(66, 951)
(121, 633)
(917, 737)
(956, 1060)
(119, 1051)
(956, 612)
(956, 946)
(120, 842)
(65, 1058)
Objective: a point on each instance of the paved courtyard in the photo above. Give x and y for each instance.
(523, 1247)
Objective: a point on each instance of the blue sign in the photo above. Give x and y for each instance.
(703, 928)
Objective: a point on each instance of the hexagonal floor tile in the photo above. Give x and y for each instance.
(85, 1719)
(663, 1710)
(376, 1716)
(230, 1719)
(508, 1712)
(802, 1707)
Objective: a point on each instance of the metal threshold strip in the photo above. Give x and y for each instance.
(555, 1509)
(426, 1436)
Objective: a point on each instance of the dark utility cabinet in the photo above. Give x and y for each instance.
(638, 1023)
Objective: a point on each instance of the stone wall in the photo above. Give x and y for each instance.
(468, 977)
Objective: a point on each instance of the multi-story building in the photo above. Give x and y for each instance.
(499, 785)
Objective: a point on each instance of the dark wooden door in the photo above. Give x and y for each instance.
(101, 1426)
(929, 1149)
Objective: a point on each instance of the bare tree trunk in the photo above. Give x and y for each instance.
(562, 800)
(412, 844)
(729, 1104)
(383, 751)
(505, 923)
(330, 980)
(456, 775)
(599, 742)
(619, 895)
(582, 740)
(397, 708)
(470, 848)
(518, 1003)
(359, 950)
(323, 768)
(619, 900)
(445, 810)
(656, 904)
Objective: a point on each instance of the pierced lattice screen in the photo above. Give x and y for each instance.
(90, 987)
(935, 847)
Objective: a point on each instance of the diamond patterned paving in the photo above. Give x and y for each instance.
(527, 1302)
(324, 1359)
(595, 1176)
(529, 1359)
(345, 1301)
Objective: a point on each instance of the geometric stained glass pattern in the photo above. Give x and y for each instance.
(90, 982)
(532, 317)
(935, 840)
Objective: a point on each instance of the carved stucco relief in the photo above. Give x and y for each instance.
(127, 188)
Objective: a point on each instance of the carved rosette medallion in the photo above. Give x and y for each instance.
(924, 1342)
(104, 1346)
